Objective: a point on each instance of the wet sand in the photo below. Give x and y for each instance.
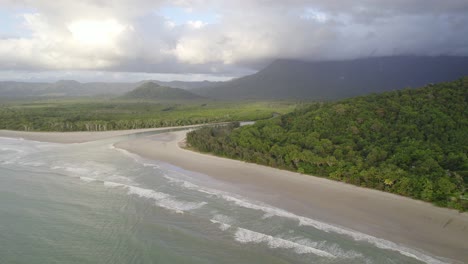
(436, 231)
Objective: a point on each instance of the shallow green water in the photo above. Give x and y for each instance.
(92, 203)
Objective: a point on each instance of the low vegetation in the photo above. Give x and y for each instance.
(410, 142)
(98, 115)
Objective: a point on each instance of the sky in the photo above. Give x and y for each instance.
(132, 40)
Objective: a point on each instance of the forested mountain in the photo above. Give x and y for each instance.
(153, 91)
(324, 80)
(411, 142)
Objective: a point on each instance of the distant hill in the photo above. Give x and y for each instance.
(325, 80)
(189, 85)
(152, 90)
(71, 88)
(412, 142)
(63, 88)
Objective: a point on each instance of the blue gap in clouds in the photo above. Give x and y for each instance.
(11, 23)
(181, 16)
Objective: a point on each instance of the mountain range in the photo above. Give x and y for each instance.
(282, 79)
(71, 88)
(326, 80)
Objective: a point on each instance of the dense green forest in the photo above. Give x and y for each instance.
(412, 142)
(101, 114)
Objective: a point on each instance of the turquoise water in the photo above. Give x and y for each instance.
(93, 203)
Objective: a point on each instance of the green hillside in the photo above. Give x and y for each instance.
(411, 142)
(151, 90)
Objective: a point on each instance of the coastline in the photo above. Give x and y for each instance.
(418, 225)
(79, 136)
(415, 224)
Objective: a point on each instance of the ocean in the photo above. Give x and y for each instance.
(94, 203)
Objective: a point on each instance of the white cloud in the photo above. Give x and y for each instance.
(95, 32)
(79, 45)
(128, 35)
(197, 24)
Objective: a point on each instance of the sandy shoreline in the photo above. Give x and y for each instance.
(418, 225)
(437, 231)
(79, 136)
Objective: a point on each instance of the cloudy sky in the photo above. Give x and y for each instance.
(130, 40)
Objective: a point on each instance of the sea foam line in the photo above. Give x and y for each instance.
(300, 245)
(161, 199)
(243, 235)
(91, 170)
(357, 236)
(304, 221)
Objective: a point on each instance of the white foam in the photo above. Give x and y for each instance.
(114, 184)
(301, 245)
(179, 206)
(78, 170)
(378, 242)
(146, 193)
(192, 186)
(357, 236)
(304, 221)
(222, 226)
(248, 236)
(332, 248)
(223, 219)
(120, 179)
(73, 169)
(225, 222)
(99, 171)
(87, 179)
(162, 200)
(152, 165)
